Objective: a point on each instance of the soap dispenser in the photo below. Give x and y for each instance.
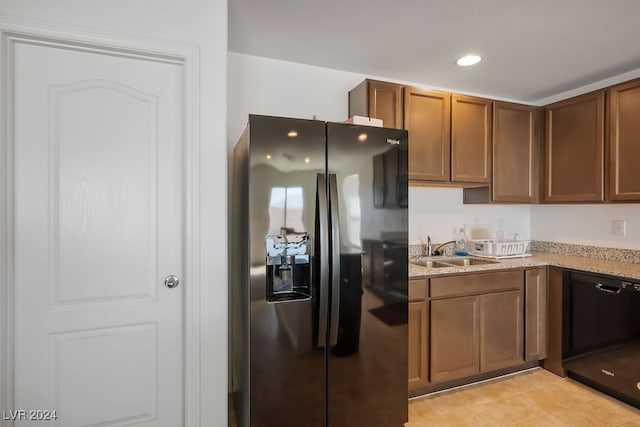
(461, 243)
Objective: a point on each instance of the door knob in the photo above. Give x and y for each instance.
(171, 281)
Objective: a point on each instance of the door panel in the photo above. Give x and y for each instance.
(286, 349)
(575, 129)
(454, 338)
(470, 139)
(367, 368)
(501, 330)
(516, 153)
(427, 117)
(535, 294)
(98, 226)
(623, 105)
(385, 103)
(87, 145)
(418, 344)
(79, 356)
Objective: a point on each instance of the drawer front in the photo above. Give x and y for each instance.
(478, 283)
(417, 289)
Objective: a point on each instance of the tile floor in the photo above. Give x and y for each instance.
(532, 398)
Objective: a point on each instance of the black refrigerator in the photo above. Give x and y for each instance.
(318, 275)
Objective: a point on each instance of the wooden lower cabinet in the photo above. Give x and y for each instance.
(475, 334)
(467, 324)
(501, 330)
(418, 344)
(454, 338)
(418, 334)
(535, 294)
(553, 359)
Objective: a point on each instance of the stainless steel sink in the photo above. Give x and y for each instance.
(451, 262)
(431, 264)
(469, 261)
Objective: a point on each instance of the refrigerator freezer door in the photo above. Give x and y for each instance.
(367, 367)
(287, 368)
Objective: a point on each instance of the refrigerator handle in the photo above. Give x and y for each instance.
(322, 237)
(335, 259)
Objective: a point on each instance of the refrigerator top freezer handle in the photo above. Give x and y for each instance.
(323, 244)
(335, 259)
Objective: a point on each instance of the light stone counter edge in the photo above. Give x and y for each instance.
(538, 259)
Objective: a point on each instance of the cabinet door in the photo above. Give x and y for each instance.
(418, 344)
(454, 338)
(553, 360)
(574, 147)
(501, 331)
(535, 314)
(516, 153)
(427, 117)
(624, 142)
(385, 103)
(470, 139)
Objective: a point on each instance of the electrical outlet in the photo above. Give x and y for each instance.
(619, 227)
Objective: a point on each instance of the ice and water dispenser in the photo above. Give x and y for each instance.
(288, 266)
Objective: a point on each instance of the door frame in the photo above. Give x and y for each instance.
(188, 57)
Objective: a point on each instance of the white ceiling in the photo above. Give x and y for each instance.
(531, 49)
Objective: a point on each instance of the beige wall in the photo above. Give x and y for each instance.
(587, 224)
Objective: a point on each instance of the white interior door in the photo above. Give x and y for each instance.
(98, 226)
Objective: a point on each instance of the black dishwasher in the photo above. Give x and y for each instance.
(601, 333)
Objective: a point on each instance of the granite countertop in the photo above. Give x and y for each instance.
(614, 268)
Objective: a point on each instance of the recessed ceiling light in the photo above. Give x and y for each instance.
(362, 137)
(467, 60)
(268, 156)
(307, 160)
(292, 134)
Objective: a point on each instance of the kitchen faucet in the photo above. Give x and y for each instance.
(429, 248)
(439, 251)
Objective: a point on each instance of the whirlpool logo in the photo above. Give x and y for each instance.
(609, 373)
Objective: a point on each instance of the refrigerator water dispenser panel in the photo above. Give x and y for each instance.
(288, 267)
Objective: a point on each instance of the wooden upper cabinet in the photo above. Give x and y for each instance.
(470, 139)
(516, 153)
(624, 142)
(381, 100)
(574, 147)
(427, 117)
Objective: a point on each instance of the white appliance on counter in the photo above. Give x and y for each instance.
(483, 241)
(499, 249)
